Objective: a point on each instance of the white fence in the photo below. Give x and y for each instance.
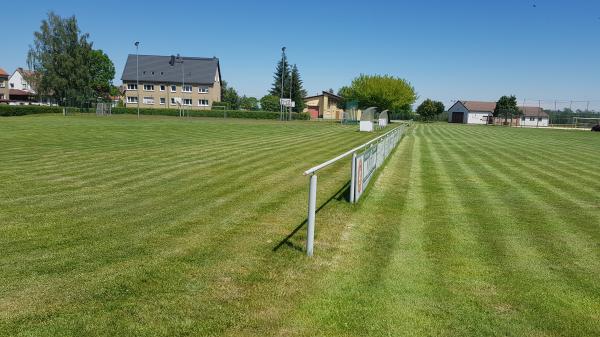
(363, 167)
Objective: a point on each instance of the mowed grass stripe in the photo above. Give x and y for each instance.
(300, 171)
(530, 143)
(548, 257)
(490, 257)
(522, 241)
(568, 196)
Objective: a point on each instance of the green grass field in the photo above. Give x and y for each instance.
(167, 227)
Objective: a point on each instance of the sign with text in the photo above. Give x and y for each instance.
(372, 158)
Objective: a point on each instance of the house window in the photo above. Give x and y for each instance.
(202, 102)
(540, 119)
(3, 84)
(173, 88)
(12, 85)
(1, 96)
(531, 119)
(148, 87)
(203, 90)
(187, 101)
(131, 86)
(175, 100)
(162, 100)
(187, 88)
(162, 87)
(131, 99)
(152, 73)
(148, 100)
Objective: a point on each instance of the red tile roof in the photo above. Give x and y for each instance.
(3, 73)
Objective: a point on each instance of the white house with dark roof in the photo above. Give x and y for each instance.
(471, 112)
(477, 112)
(534, 116)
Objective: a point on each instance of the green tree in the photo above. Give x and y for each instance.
(429, 109)
(102, 72)
(282, 69)
(440, 107)
(68, 68)
(229, 96)
(298, 92)
(269, 103)
(382, 91)
(248, 103)
(507, 106)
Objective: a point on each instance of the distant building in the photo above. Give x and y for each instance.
(471, 112)
(19, 80)
(323, 106)
(534, 116)
(476, 112)
(160, 84)
(4, 87)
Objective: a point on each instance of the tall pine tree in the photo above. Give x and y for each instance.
(283, 69)
(298, 92)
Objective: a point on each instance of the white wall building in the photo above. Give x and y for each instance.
(474, 112)
(17, 81)
(534, 117)
(471, 112)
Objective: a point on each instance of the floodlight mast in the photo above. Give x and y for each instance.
(137, 76)
(281, 109)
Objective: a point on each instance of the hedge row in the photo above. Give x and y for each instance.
(21, 110)
(211, 113)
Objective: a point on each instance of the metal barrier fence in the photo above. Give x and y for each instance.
(362, 169)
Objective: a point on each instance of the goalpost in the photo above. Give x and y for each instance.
(585, 122)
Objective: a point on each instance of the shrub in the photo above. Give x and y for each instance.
(21, 110)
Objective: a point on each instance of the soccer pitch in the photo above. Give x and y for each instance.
(167, 227)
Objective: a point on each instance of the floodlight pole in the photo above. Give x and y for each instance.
(291, 83)
(137, 76)
(281, 110)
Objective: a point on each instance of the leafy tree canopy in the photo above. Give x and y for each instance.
(429, 109)
(69, 69)
(506, 105)
(269, 103)
(381, 91)
(248, 103)
(229, 96)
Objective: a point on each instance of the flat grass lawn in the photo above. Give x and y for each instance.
(167, 227)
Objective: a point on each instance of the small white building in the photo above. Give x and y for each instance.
(18, 81)
(534, 117)
(471, 112)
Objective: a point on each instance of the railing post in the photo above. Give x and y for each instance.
(312, 208)
(352, 177)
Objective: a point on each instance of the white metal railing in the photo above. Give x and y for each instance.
(312, 190)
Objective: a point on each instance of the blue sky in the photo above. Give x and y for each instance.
(448, 50)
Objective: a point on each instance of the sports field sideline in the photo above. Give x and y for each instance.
(167, 227)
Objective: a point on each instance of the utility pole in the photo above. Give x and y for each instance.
(137, 76)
